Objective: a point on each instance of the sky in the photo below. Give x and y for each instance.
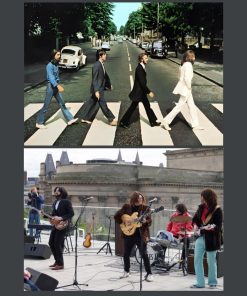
(34, 156)
(122, 11)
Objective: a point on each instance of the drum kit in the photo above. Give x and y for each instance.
(157, 246)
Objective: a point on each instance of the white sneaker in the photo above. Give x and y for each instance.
(166, 126)
(86, 121)
(124, 275)
(72, 121)
(41, 126)
(149, 278)
(198, 127)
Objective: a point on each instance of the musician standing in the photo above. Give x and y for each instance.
(140, 236)
(62, 210)
(35, 200)
(208, 214)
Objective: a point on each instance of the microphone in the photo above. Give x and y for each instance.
(88, 198)
(154, 199)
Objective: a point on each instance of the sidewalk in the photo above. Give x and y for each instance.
(208, 70)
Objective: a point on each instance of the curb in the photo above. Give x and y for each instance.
(33, 86)
(200, 74)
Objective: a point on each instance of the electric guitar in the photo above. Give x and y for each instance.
(197, 232)
(59, 225)
(130, 223)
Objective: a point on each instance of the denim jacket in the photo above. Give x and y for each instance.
(52, 74)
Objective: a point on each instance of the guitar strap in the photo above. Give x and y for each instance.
(205, 222)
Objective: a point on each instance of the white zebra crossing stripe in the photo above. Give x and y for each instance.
(219, 107)
(153, 136)
(55, 126)
(210, 135)
(100, 132)
(31, 109)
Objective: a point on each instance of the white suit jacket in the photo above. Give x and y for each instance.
(183, 86)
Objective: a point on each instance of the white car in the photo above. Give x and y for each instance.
(72, 57)
(105, 46)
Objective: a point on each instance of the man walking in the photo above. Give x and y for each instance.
(53, 89)
(100, 83)
(139, 94)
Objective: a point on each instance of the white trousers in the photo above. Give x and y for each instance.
(192, 109)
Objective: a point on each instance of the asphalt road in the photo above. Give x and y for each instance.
(162, 76)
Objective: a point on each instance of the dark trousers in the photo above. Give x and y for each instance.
(56, 243)
(150, 113)
(92, 105)
(129, 243)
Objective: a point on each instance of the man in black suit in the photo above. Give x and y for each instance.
(100, 83)
(62, 210)
(139, 94)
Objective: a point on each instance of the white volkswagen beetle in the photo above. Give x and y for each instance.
(72, 57)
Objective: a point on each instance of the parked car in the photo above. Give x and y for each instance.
(72, 57)
(144, 45)
(158, 49)
(148, 48)
(106, 46)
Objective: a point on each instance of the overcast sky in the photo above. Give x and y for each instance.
(34, 156)
(122, 11)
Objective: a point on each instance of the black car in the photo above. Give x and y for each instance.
(158, 49)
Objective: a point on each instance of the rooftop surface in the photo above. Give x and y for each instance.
(101, 271)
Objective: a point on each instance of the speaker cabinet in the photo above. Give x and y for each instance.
(219, 259)
(43, 281)
(119, 241)
(37, 250)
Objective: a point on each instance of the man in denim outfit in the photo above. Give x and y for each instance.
(54, 89)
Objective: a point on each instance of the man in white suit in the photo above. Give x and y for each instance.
(183, 88)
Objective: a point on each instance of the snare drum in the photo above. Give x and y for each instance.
(154, 251)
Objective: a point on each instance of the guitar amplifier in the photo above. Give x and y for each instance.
(119, 241)
(219, 259)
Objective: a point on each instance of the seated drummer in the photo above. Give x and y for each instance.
(180, 229)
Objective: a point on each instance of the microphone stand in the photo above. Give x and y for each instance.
(75, 282)
(141, 250)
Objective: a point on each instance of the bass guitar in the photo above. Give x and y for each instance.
(197, 232)
(59, 225)
(130, 223)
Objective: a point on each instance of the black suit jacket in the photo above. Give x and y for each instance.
(64, 209)
(140, 89)
(100, 80)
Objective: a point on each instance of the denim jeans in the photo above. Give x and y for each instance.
(50, 92)
(198, 263)
(34, 218)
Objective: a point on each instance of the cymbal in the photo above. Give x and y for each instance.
(187, 232)
(181, 219)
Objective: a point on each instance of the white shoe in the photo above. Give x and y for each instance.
(72, 121)
(113, 123)
(166, 126)
(149, 278)
(198, 127)
(41, 126)
(124, 275)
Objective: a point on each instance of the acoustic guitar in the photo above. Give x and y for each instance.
(59, 225)
(130, 223)
(88, 237)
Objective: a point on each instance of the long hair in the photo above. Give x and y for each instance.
(52, 54)
(134, 198)
(188, 56)
(181, 208)
(210, 198)
(64, 193)
(140, 56)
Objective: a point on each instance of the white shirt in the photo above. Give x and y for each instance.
(57, 203)
(103, 66)
(143, 66)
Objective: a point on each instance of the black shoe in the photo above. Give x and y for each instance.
(123, 125)
(155, 123)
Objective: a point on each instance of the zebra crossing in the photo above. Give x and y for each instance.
(100, 133)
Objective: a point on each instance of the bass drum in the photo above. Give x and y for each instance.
(155, 253)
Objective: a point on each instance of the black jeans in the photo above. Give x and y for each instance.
(150, 113)
(129, 243)
(56, 243)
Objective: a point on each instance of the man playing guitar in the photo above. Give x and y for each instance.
(140, 236)
(62, 211)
